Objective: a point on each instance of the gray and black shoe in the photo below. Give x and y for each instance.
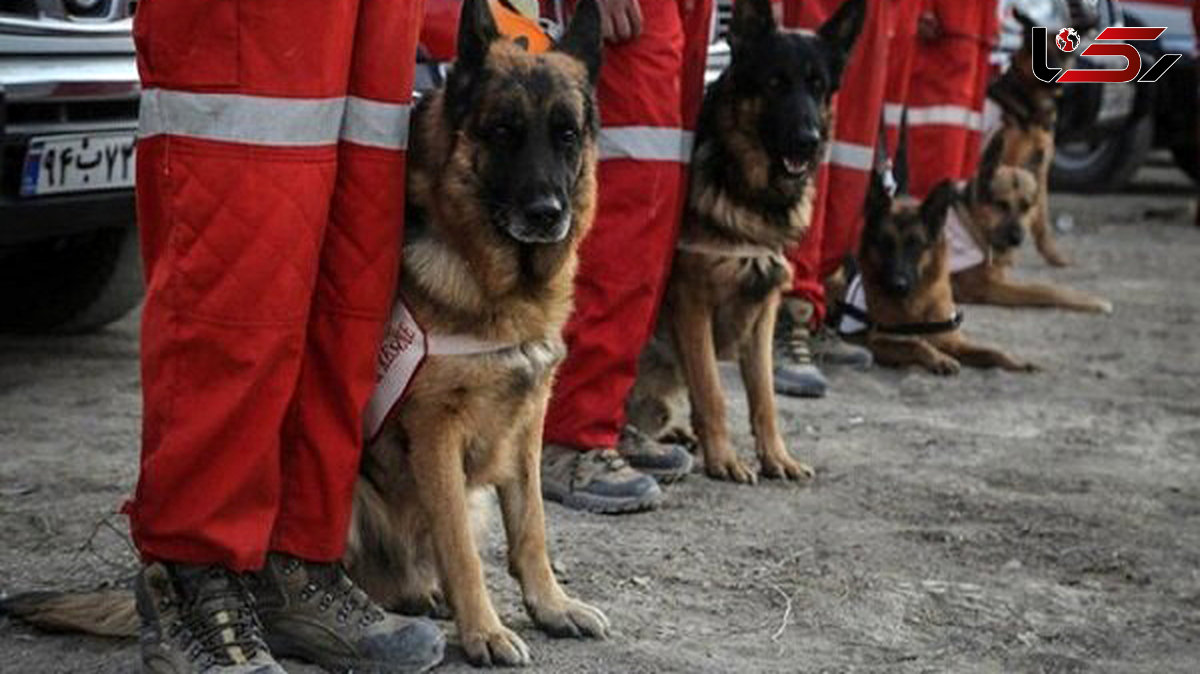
(199, 620)
(596, 480)
(795, 372)
(664, 461)
(314, 612)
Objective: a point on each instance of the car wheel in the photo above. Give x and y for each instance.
(70, 284)
(1188, 159)
(1103, 164)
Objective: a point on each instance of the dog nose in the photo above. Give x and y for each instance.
(901, 284)
(1015, 236)
(808, 141)
(544, 211)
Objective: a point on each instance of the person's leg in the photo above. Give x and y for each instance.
(236, 162)
(323, 434)
(623, 266)
(902, 51)
(943, 112)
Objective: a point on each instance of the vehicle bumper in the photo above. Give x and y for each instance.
(46, 95)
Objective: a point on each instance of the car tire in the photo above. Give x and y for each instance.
(1188, 159)
(70, 284)
(1105, 165)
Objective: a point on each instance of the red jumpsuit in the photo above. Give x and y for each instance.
(947, 93)
(270, 201)
(650, 90)
(844, 179)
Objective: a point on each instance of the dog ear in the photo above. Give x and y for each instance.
(936, 207)
(752, 22)
(841, 31)
(879, 201)
(583, 39)
(476, 32)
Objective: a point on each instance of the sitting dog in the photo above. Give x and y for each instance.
(908, 313)
(1028, 110)
(501, 190)
(997, 208)
(762, 131)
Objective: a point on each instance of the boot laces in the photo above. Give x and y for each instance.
(333, 586)
(218, 621)
(793, 340)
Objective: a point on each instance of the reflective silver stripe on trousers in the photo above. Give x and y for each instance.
(852, 156)
(376, 124)
(947, 115)
(646, 143)
(274, 121)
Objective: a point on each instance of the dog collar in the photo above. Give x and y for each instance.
(403, 350)
(909, 329)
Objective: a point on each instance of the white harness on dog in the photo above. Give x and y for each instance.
(404, 348)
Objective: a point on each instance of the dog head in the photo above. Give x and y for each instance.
(526, 124)
(783, 82)
(902, 236)
(1003, 197)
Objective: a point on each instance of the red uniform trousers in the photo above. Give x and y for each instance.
(947, 93)
(270, 200)
(843, 180)
(649, 93)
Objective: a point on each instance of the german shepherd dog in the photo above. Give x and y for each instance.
(502, 181)
(1030, 115)
(912, 318)
(501, 189)
(762, 131)
(998, 206)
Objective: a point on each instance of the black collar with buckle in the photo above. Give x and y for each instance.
(909, 329)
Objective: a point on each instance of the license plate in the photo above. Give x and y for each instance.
(78, 163)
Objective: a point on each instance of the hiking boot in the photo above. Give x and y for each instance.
(664, 461)
(199, 620)
(795, 372)
(314, 612)
(597, 481)
(828, 348)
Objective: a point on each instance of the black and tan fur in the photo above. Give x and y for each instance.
(1001, 204)
(502, 177)
(1030, 115)
(906, 279)
(762, 131)
(501, 190)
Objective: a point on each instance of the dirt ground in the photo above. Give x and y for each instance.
(991, 522)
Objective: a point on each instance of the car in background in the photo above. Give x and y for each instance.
(68, 116)
(1106, 131)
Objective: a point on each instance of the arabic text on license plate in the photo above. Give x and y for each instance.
(78, 163)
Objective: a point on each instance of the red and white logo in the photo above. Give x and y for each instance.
(1068, 40)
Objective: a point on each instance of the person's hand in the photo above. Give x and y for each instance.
(620, 20)
(929, 27)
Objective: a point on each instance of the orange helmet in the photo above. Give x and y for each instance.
(520, 28)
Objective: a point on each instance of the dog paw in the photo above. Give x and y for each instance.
(570, 618)
(499, 647)
(730, 468)
(1027, 367)
(785, 467)
(945, 367)
(1056, 260)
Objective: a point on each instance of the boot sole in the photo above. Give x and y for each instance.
(606, 505)
(285, 648)
(665, 475)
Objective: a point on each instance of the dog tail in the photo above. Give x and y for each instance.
(108, 613)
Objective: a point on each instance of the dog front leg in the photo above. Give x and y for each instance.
(757, 376)
(974, 354)
(437, 465)
(1008, 293)
(896, 351)
(691, 324)
(1043, 238)
(528, 562)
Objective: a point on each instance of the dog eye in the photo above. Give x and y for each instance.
(568, 136)
(816, 83)
(501, 132)
(776, 82)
